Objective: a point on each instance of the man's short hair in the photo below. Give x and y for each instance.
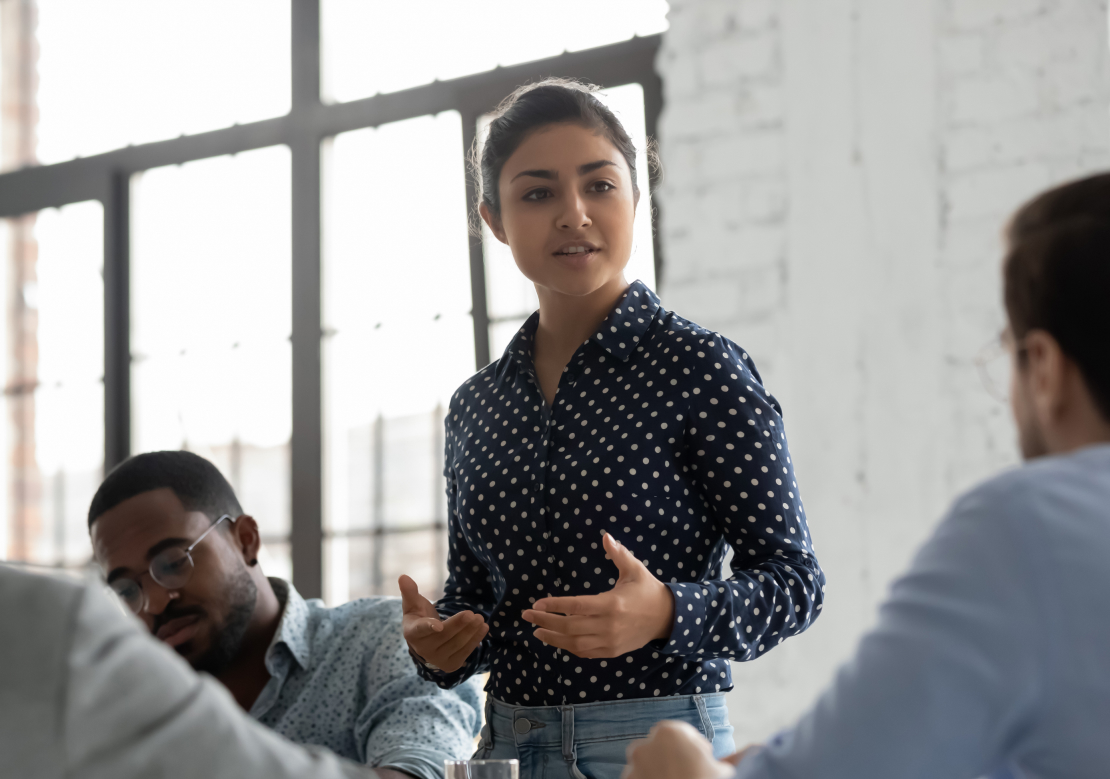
(1057, 276)
(197, 483)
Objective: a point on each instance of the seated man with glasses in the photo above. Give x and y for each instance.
(992, 654)
(174, 544)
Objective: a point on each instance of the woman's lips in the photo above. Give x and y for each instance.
(178, 631)
(577, 259)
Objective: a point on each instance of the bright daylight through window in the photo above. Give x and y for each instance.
(198, 236)
(210, 324)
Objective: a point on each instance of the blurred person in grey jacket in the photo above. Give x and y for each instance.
(85, 693)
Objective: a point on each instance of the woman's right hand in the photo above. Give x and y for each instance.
(444, 644)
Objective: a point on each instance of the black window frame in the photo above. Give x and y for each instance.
(310, 121)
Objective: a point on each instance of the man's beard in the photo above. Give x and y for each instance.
(228, 637)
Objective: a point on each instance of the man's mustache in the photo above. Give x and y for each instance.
(175, 613)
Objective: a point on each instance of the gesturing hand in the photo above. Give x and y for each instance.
(638, 609)
(443, 643)
(674, 750)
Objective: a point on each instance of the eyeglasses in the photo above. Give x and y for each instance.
(171, 568)
(995, 364)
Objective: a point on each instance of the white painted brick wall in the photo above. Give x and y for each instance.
(837, 174)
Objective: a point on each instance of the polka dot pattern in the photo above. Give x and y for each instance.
(662, 434)
(341, 678)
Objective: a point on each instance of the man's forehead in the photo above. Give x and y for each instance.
(134, 525)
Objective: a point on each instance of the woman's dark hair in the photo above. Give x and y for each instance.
(1056, 276)
(198, 484)
(551, 101)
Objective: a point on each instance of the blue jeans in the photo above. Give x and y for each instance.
(588, 740)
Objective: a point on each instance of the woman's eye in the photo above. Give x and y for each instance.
(537, 194)
(602, 186)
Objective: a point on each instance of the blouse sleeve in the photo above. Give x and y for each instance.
(737, 455)
(469, 585)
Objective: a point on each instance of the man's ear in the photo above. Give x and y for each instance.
(493, 221)
(248, 538)
(1047, 367)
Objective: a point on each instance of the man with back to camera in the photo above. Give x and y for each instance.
(992, 654)
(174, 544)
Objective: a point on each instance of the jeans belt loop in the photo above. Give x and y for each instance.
(487, 726)
(568, 733)
(706, 723)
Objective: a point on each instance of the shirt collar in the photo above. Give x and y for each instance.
(618, 334)
(293, 628)
(623, 328)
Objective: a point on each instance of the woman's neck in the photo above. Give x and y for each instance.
(567, 321)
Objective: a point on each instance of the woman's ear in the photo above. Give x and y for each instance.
(493, 221)
(250, 541)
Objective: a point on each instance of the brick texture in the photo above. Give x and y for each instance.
(837, 175)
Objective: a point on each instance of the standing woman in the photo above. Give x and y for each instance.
(596, 475)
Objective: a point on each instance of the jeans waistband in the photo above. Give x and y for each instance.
(556, 725)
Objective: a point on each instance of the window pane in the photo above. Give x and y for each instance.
(399, 339)
(53, 431)
(510, 297)
(365, 565)
(384, 47)
(211, 319)
(133, 71)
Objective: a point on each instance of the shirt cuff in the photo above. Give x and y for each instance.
(421, 763)
(690, 600)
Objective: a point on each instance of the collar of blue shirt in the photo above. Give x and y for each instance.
(618, 334)
(293, 629)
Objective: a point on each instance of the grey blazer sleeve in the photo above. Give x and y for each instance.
(86, 693)
(136, 709)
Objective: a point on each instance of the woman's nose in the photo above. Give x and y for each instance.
(575, 213)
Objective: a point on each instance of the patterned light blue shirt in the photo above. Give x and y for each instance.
(342, 678)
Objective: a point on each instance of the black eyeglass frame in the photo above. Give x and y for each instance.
(139, 605)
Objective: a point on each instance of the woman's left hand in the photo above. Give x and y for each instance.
(638, 609)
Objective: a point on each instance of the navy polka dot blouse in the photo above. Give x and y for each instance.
(662, 434)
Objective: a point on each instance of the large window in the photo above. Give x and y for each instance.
(399, 340)
(53, 428)
(241, 228)
(210, 325)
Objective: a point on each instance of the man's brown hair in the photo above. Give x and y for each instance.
(1056, 276)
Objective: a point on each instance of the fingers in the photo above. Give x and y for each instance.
(442, 630)
(458, 658)
(417, 629)
(450, 628)
(736, 757)
(626, 562)
(412, 602)
(568, 626)
(468, 628)
(449, 647)
(630, 768)
(584, 605)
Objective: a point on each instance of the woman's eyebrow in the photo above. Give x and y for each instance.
(539, 174)
(589, 167)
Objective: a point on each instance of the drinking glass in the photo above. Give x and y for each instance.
(482, 769)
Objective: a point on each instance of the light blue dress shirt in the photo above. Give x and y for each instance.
(991, 656)
(342, 678)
